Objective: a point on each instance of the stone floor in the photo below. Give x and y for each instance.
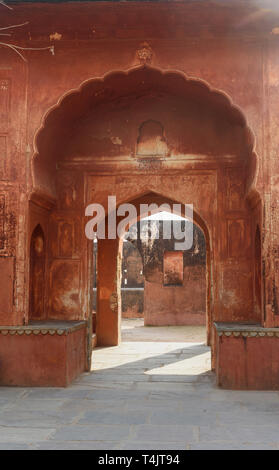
(142, 395)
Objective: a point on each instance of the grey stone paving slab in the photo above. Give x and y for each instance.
(248, 418)
(26, 435)
(261, 406)
(179, 417)
(36, 405)
(106, 386)
(92, 433)
(165, 387)
(114, 395)
(192, 404)
(87, 405)
(263, 434)
(231, 446)
(80, 445)
(53, 394)
(113, 372)
(114, 378)
(6, 403)
(155, 445)
(166, 433)
(11, 393)
(181, 378)
(42, 418)
(169, 395)
(114, 417)
(14, 446)
(149, 404)
(250, 397)
(116, 366)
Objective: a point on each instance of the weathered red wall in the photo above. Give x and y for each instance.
(233, 65)
(177, 305)
(210, 162)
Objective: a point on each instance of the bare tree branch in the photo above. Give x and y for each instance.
(5, 5)
(14, 47)
(14, 26)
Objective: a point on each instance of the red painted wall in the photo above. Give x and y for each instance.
(238, 58)
(177, 305)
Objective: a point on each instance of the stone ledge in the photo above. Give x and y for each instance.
(244, 330)
(44, 328)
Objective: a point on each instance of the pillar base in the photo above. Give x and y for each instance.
(42, 354)
(247, 357)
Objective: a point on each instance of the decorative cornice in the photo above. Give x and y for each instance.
(60, 329)
(238, 330)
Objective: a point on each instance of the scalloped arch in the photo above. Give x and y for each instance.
(95, 86)
(116, 84)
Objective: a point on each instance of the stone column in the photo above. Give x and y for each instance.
(108, 293)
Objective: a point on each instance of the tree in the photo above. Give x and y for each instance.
(7, 31)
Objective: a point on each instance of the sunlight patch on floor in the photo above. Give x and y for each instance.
(190, 366)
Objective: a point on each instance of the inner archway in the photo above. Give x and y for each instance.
(161, 280)
(150, 260)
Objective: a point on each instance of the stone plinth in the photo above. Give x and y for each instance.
(42, 353)
(247, 356)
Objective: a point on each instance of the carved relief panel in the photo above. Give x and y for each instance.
(237, 238)
(235, 189)
(3, 156)
(236, 292)
(5, 90)
(64, 299)
(70, 190)
(65, 236)
(8, 210)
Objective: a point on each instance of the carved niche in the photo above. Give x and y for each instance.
(151, 141)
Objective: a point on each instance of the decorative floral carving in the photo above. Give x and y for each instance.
(35, 330)
(145, 53)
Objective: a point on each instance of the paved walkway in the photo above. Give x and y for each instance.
(142, 395)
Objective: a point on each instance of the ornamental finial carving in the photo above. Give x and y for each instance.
(144, 53)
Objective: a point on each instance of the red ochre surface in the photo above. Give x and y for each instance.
(75, 128)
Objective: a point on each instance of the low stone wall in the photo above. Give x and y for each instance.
(247, 357)
(49, 354)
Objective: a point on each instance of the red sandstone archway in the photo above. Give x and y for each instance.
(87, 148)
